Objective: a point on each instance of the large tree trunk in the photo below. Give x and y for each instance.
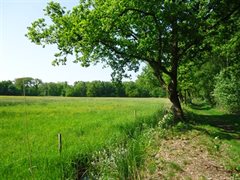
(176, 105)
(172, 86)
(172, 73)
(172, 91)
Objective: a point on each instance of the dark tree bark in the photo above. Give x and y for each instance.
(174, 98)
(172, 86)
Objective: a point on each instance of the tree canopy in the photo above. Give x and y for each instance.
(124, 33)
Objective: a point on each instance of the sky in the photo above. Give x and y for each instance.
(21, 58)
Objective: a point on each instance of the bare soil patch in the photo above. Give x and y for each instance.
(183, 158)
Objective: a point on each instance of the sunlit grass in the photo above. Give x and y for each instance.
(29, 128)
(221, 134)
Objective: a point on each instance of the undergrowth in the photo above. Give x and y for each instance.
(124, 158)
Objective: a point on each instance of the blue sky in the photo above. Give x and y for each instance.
(21, 58)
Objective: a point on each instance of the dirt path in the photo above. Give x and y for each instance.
(182, 158)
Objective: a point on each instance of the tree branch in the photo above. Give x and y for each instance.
(190, 45)
(158, 64)
(139, 11)
(122, 53)
(233, 11)
(159, 34)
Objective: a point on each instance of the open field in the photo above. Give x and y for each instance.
(29, 129)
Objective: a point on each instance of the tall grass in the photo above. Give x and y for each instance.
(124, 159)
(87, 125)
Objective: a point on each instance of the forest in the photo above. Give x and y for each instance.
(215, 84)
(29, 86)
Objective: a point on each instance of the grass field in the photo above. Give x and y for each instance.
(29, 129)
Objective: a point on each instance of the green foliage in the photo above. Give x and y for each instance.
(118, 32)
(124, 160)
(100, 89)
(146, 80)
(217, 143)
(196, 77)
(35, 87)
(28, 85)
(227, 89)
(8, 88)
(120, 161)
(80, 89)
(167, 121)
(123, 34)
(132, 90)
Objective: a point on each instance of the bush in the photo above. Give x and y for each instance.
(227, 89)
(167, 121)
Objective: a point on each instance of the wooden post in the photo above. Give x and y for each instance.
(59, 143)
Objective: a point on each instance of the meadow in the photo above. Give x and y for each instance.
(29, 128)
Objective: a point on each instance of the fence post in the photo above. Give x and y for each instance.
(59, 143)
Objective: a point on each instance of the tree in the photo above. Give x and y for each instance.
(196, 77)
(131, 89)
(28, 85)
(23, 84)
(54, 89)
(123, 34)
(69, 91)
(109, 89)
(35, 86)
(227, 89)
(80, 89)
(95, 89)
(8, 88)
(148, 82)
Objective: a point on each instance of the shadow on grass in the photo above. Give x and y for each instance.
(200, 106)
(228, 125)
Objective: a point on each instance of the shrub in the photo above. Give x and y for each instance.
(227, 89)
(167, 121)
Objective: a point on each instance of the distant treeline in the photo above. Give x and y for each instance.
(35, 87)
